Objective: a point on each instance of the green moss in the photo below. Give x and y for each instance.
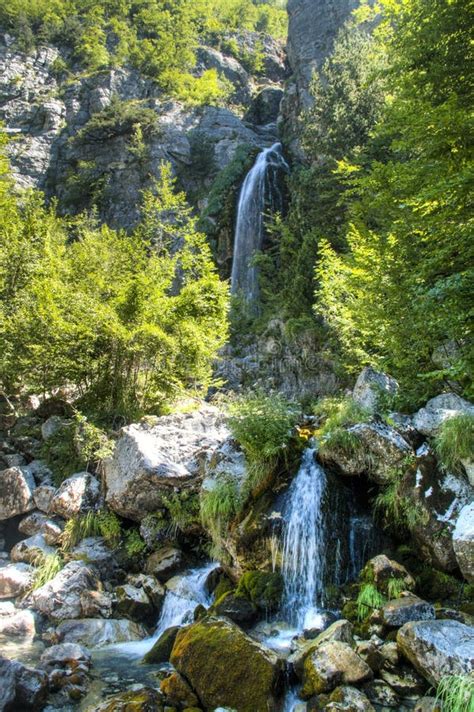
(264, 589)
(224, 586)
(161, 650)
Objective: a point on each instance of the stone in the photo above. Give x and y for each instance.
(238, 608)
(133, 603)
(43, 496)
(96, 604)
(41, 473)
(389, 653)
(161, 650)
(333, 663)
(438, 648)
(144, 699)
(75, 495)
(150, 460)
(16, 622)
(153, 588)
(60, 598)
(427, 704)
(226, 667)
(178, 692)
(340, 630)
(15, 579)
(404, 681)
(96, 632)
(405, 609)
(33, 550)
(429, 419)
(23, 687)
(65, 655)
(51, 426)
(380, 569)
(32, 524)
(370, 652)
(381, 694)
(164, 562)
(95, 552)
(463, 541)
(350, 699)
(16, 492)
(372, 388)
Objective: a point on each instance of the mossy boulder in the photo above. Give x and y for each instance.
(225, 667)
(177, 691)
(146, 699)
(332, 664)
(381, 571)
(238, 608)
(262, 588)
(161, 651)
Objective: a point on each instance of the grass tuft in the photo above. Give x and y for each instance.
(455, 441)
(47, 568)
(368, 600)
(456, 693)
(395, 586)
(218, 506)
(338, 414)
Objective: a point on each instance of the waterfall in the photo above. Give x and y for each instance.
(304, 544)
(259, 191)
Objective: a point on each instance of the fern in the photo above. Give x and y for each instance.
(368, 600)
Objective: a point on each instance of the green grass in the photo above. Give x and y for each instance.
(337, 415)
(456, 693)
(342, 440)
(184, 510)
(78, 528)
(368, 600)
(218, 506)
(455, 441)
(47, 568)
(398, 512)
(395, 586)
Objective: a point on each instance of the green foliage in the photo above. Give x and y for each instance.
(455, 441)
(338, 414)
(134, 544)
(78, 528)
(184, 510)
(264, 426)
(219, 506)
(456, 693)
(47, 567)
(397, 511)
(109, 527)
(119, 118)
(395, 586)
(368, 600)
(128, 321)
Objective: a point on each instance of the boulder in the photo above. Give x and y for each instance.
(16, 622)
(178, 692)
(340, 630)
(96, 604)
(164, 562)
(438, 648)
(95, 551)
(427, 704)
(75, 495)
(225, 667)
(145, 699)
(350, 699)
(369, 651)
(381, 694)
(16, 492)
(238, 608)
(153, 588)
(333, 663)
(463, 541)
(408, 608)
(372, 388)
(429, 419)
(95, 632)
(43, 496)
(22, 688)
(15, 579)
(60, 598)
(151, 459)
(133, 603)
(380, 569)
(33, 550)
(65, 655)
(32, 524)
(404, 681)
(161, 650)
(68, 668)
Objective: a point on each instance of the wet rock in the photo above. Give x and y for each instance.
(32, 550)
(341, 631)
(95, 551)
(369, 651)
(381, 694)
(429, 419)
(151, 459)
(463, 541)
(178, 692)
(404, 681)
(265, 106)
(60, 598)
(16, 622)
(145, 699)
(15, 579)
(408, 608)
(389, 652)
(372, 388)
(350, 699)
(226, 667)
(96, 604)
(76, 494)
(164, 562)
(153, 588)
(161, 650)
(238, 608)
(427, 704)
(95, 632)
(332, 664)
(43, 496)
(22, 688)
(16, 492)
(133, 603)
(380, 569)
(438, 648)
(65, 655)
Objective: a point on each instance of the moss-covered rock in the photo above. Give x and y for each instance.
(161, 651)
(332, 664)
(177, 691)
(381, 571)
(262, 588)
(145, 699)
(225, 667)
(236, 607)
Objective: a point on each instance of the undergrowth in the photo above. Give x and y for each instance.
(47, 567)
(368, 600)
(456, 693)
(337, 415)
(184, 510)
(455, 441)
(397, 511)
(218, 506)
(102, 523)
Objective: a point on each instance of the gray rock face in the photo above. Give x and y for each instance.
(438, 648)
(133, 603)
(408, 608)
(43, 496)
(15, 579)
(22, 688)
(429, 419)
(332, 664)
(16, 622)
(32, 550)
(164, 562)
(95, 632)
(16, 492)
(372, 387)
(150, 460)
(463, 541)
(76, 494)
(60, 598)
(65, 654)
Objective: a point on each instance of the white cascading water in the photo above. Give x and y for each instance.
(184, 593)
(304, 545)
(260, 188)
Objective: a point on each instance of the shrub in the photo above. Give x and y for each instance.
(455, 441)
(47, 568)
(119, 118)
(337, 415)
(456, 693)
(109, 527)
(368, 600)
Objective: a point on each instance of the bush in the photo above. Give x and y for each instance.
(338, 414)
(455, 441)
(184, 509)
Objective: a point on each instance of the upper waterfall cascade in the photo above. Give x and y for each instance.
(260, 192)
